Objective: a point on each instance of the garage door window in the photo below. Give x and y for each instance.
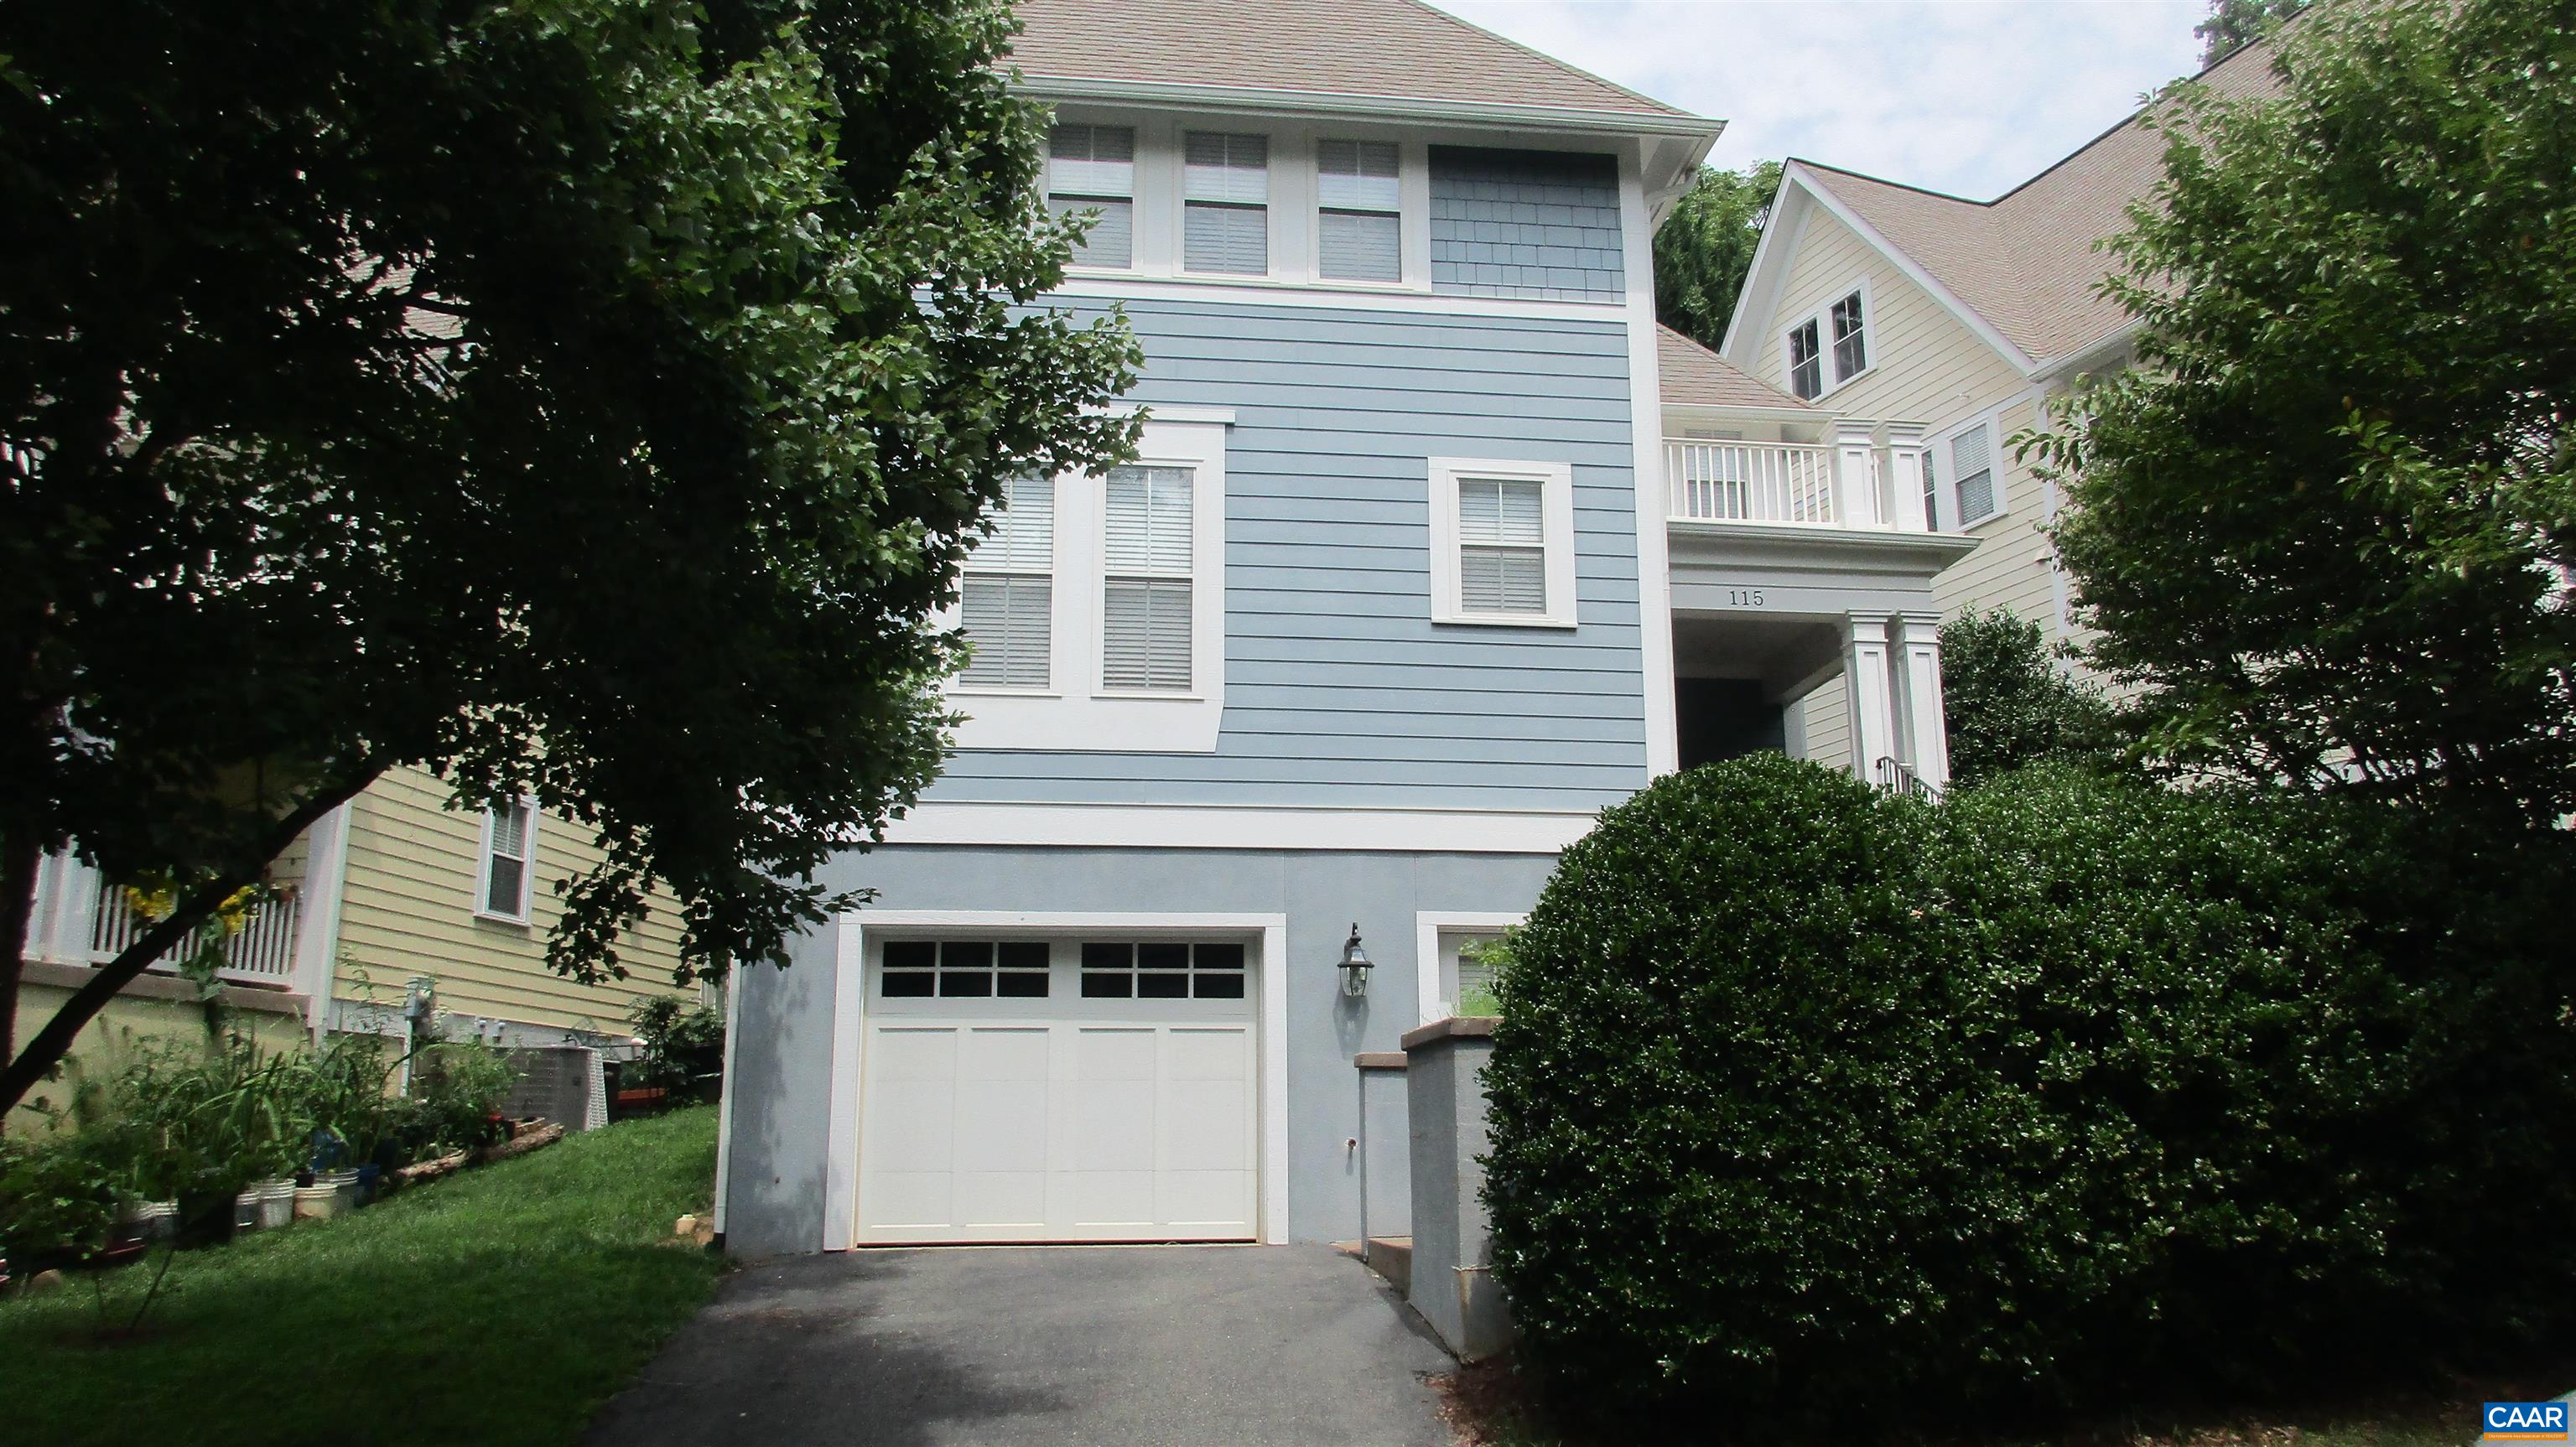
(1011, 969)
(1162, 970)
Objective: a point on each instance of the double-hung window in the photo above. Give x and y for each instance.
(1093, 168)
(1225, 213)
(1359, 205)
(1147, 586)
(1806, 361)
(1502, 542)
(1851, 339)
(509, 858)
(1007, 596)
(1835, 337)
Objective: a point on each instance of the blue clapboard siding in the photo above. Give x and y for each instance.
(1338, 689)
(1525, 223)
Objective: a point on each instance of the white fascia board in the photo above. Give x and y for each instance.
(1209, 826)
(1760, 294)
(1968, 316)
(1182, 95)
(2050, 371)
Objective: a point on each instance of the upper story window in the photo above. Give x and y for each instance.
(509, 857)
(1502, 543)
(1359, 211)
(1093, 168)
(1970, 490)
(1007, 597)
(1830, 347)
(1806, 362)
(1146, 581)
(1225, 215)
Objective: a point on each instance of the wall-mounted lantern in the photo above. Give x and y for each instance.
(1355, 964)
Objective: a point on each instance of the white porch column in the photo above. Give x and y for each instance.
(1855, 490)
(1871, 701)
(1927, 733)
(317, 935)
(1905, 448)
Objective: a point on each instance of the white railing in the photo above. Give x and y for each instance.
(1751, 482)
(80, 919)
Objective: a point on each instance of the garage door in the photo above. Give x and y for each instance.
(1063, 1090)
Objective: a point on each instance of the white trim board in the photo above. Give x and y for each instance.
(1427, 925)
(1654, 499)
(1214, 826)
(849, 1024)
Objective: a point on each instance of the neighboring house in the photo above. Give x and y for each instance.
(393, 888)
(1977, 313)
(1437, 546)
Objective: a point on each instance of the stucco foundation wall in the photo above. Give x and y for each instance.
(781, 1087)
(132, 1019)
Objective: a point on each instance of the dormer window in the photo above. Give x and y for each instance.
(1358, 211)
(1225, 220)
(1093, 168)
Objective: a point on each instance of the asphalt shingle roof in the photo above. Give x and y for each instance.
(1697, 377)
(2026, 261)
(1388, 49)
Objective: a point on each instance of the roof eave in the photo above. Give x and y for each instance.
(1178, 95)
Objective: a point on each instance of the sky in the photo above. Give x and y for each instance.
(1971, 97)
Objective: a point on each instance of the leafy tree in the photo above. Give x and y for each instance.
(2009, 705)
(586, 400)
(2234, 24)
(1704, 249)
(2325, 528)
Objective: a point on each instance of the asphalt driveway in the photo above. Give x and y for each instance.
(1119, 1346)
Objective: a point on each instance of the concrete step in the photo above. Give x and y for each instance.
(1392, 1258)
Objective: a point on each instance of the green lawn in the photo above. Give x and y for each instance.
(500, 1306)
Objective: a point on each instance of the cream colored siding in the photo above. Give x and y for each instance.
(408, 909)
(1925, 366)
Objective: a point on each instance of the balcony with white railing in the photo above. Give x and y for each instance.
(1866, 478)
(80, 919)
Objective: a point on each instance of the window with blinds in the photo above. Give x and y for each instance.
(1502, 547)
(1006, 600)
(508, 835)
(1851, 339)
(1972, 465)
(1093, 168)
(1147, 580)
(1225, 216)
(1806, 361)
(1358, 228)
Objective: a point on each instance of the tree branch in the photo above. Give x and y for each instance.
(49, 1045)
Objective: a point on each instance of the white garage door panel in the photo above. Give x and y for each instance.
(1057, 1130)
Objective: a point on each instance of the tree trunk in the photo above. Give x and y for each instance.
(20, 856)
(47, 1047)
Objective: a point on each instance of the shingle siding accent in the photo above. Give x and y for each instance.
(1339, 690)
(1541, 224)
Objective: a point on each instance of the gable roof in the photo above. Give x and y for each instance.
(1361, 49)
(1694, 376)
(2024, 263)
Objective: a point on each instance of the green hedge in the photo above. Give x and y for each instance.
(1809, 1098)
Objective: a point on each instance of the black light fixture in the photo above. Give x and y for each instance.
(1355, 964)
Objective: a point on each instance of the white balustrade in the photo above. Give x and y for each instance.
(1851, 483)
(81, 919)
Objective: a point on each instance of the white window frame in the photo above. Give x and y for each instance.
(1055, 584)
(1199, 534)
(527, 869)
(1078, 713)
(1401, 212)
(1945, 478)
(1556, 518)
(1136, 144)
(1435, 992)
(1271, 154)
(1823, 317)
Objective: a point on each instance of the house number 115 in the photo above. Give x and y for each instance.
(1743, 597)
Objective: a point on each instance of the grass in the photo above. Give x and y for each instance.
(500, 1306)
(1490, 1405)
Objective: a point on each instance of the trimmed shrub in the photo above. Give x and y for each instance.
(1811, 1099)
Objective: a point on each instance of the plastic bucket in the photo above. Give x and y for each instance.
(276, 1204)
(316, 1202)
